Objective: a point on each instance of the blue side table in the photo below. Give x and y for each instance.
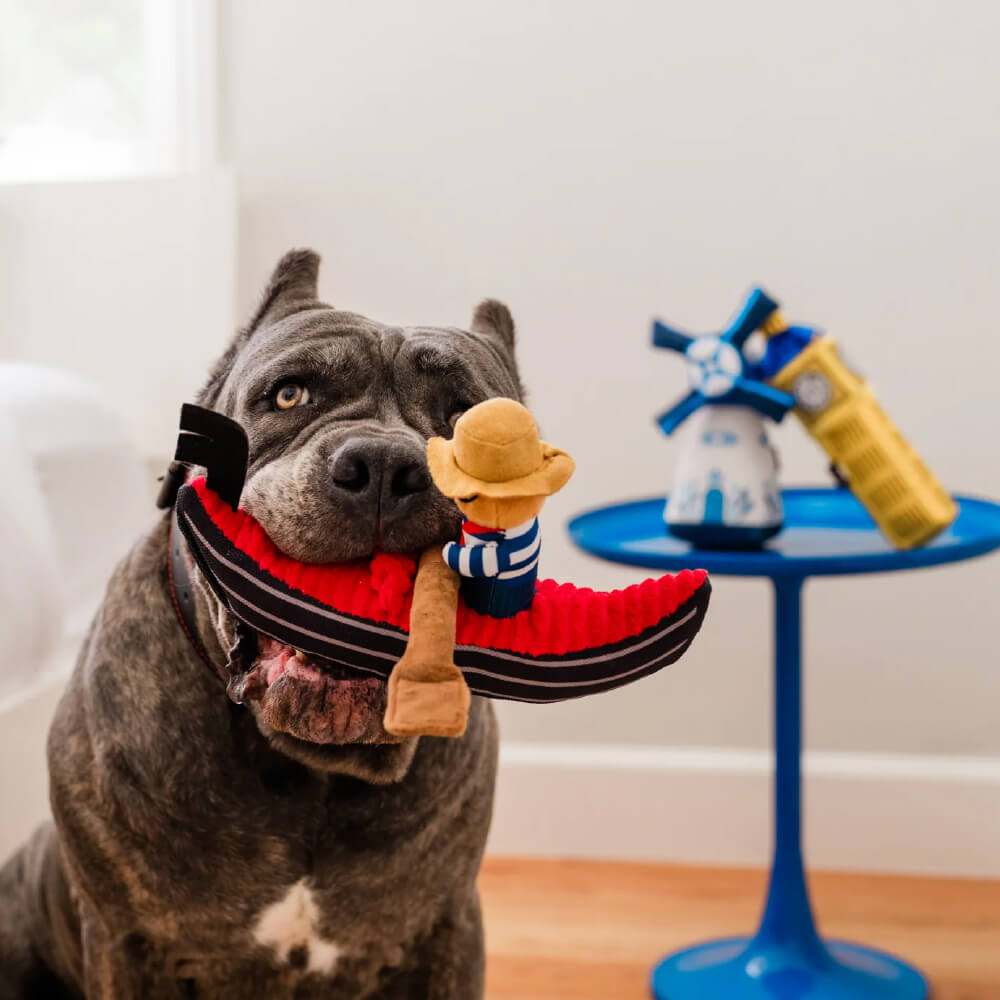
(827, 533)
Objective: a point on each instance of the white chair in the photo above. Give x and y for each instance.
(74, 495)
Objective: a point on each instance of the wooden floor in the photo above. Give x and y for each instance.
(571, 930)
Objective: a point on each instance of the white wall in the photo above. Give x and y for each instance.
(595, 164)
(129, 282)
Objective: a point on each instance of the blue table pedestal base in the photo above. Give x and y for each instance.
(724, 970)
(786, 959)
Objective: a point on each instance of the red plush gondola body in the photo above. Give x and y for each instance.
(572, 641)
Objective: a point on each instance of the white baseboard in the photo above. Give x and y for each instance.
(916, 814)
(864, 812)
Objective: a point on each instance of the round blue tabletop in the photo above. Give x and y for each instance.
(826, 533)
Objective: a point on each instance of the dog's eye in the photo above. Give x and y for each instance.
(291, 394)
(453, 419)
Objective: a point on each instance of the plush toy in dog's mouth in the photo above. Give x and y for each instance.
(573, 641)
(315, 643)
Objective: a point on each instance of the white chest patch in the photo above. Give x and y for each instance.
(291, 923)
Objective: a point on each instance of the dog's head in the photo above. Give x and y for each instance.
(338, 409)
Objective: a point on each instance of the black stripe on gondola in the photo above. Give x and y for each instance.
(368, 650)
(525, 693)
(494, 685)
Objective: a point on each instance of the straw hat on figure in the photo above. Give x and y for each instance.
(499, 472)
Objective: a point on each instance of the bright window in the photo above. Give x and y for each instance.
(103, 88)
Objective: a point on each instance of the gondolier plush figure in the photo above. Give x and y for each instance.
(499, 473)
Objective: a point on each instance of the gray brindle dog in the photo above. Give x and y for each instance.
(291, 848)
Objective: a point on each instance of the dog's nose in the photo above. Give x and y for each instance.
(350, 469)
(409, 477)
(378, 471)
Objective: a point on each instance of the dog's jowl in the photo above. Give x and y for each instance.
(235, 822)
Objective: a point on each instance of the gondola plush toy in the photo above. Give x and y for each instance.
(470, 618)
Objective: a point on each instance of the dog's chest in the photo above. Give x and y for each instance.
(291, 928)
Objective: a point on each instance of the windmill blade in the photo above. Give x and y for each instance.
(771, 402)
(755, 310)
(671, 419)
(673, 340)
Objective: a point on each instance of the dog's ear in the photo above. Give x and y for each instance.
(493, 318)
(294, 286)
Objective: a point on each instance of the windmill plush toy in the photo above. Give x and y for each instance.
(726, 492)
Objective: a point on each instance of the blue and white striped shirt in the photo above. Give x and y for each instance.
(500, 554)
(498, 568)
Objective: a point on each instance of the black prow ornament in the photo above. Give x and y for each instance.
(214, 441)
